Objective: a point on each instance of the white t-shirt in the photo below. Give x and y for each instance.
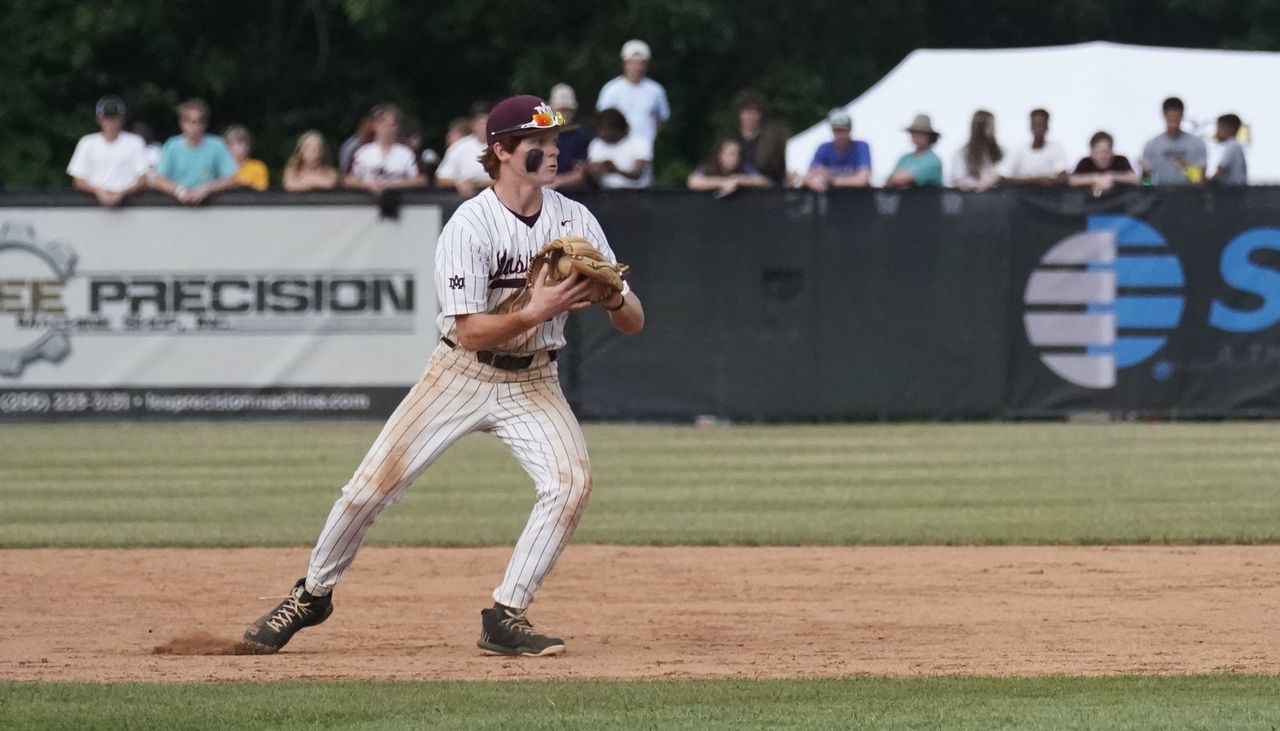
(624, 154)
(1025, 162)
(112, 166)
(643, 104)
(482, 262)
(371, 163)
(988, 175)
(462, 161)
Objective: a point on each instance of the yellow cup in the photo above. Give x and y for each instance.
(1195, 173)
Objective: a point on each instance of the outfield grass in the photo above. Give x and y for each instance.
(271, 484)
(954, 704)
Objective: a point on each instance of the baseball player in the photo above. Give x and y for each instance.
(493, 371)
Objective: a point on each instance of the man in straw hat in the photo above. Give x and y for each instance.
(921, 167)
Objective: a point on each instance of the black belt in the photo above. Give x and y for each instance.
(503, 362)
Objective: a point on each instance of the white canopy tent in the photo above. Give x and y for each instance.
(1085, 88)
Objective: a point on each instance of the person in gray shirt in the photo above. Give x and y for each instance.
(1232, 169)
(1175, 157)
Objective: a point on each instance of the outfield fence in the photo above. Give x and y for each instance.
(781, 305)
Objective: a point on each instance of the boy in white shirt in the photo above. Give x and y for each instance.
(1040, 163)
(384, 164)
(112, 164)
(616, 158)
(460, 167)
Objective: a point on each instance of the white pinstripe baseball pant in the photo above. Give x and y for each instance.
(458, 395)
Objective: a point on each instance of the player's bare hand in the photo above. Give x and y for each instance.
(569, 295)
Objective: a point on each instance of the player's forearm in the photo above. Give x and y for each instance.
(637, 172)
(164, 184)
(704, 183)
(222, 184)
(629, 319)
(138, 185)
(860, 179)
(482, 331)
(83, 185)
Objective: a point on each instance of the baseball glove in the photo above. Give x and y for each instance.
(563, 256)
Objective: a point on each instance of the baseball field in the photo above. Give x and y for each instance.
(950, 576)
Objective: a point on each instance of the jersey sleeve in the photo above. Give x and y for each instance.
(663, 110)
(819, 157)
(861, 156)
(1199, 152)
(450, 165)
(1059, 159)
(594, 233)
(79, 165)
(140, 164)
(358, 164)
(462, 269)
(224, 162)
(605, 99)
(168, 165)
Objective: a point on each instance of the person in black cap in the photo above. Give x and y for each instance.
(494, 371)
(111, 164)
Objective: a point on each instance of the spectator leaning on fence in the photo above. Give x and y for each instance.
(1041, 162)
(1103, 169)
(251, 173)
(110, 164)
(308, 167)
(641, 100)
(362, 136)
(727, 172)
(148, 135)
(921, 167)
(194, 165)
(384, 163)
(975, 166)
(460, 169)
(1174, 157)
(1232, 168)
(841, 163)
(616, 158)
(572, 163)
(763, 141)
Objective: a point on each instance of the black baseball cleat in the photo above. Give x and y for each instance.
(506, 631)
(299, 609)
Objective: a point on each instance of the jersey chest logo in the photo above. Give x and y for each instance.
(510, 271)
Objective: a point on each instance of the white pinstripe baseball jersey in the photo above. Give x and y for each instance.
(482, 261)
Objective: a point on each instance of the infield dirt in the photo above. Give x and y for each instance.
(634, 613)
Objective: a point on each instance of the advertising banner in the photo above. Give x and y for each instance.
(217, 311)
(1161, 303)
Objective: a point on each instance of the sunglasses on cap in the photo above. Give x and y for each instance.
(543, 118)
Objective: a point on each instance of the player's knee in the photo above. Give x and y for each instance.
(577, 488)
(359, 498)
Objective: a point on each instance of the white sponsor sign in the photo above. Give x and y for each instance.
(248, 297)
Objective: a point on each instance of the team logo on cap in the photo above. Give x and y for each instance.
(1104, 299)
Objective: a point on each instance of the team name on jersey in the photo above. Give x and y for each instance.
(510, 270)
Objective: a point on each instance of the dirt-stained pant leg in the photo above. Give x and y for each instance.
(535, 422)
(443, 407)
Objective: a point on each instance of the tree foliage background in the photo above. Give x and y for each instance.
(283, 66)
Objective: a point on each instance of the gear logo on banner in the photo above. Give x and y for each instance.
(1104, 299)
(33, 277)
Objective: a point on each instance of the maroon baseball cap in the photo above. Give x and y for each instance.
(522, 115)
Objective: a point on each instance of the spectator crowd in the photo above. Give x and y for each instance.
(616, 150)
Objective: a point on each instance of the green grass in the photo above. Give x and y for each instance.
(249, 484)
(954, 704)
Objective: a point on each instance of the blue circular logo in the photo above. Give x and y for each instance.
(1104, 299)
